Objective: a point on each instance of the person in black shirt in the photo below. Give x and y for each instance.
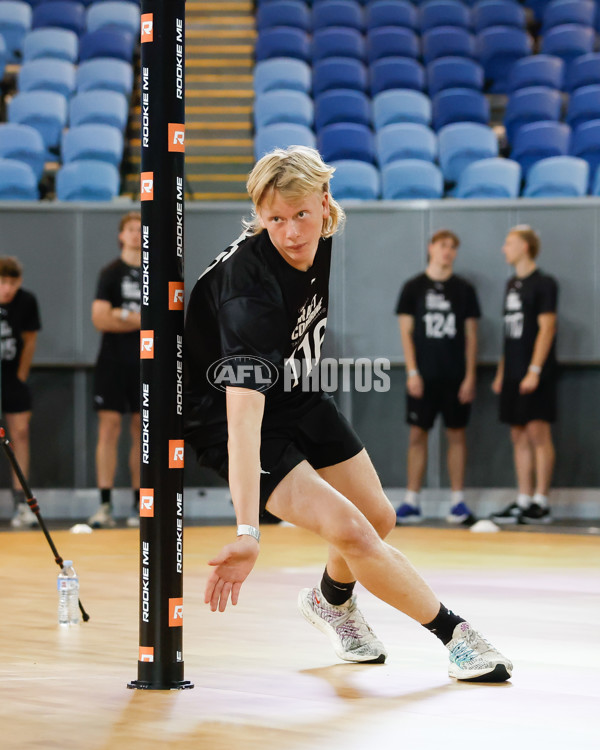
(438, 313)
(19, 324)
(116, 313)
(526, 376)
(255, 325)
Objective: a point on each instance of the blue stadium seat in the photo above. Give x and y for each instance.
(391, 41)
(106, 43)
(596, 184)
(282, 73)
(411, 179)
(447, 41)
(47, 74)
(498, 48)
(444, 13)
(337, 13)
(459, 105)
(87, 181)
(568, 41)
(538, 7)
(454, 72)
(282, 41)
(396, 73)
(61, 44)
(3, 56)
(94, 143)
(490, 178)
(558, 12)
(557, 177)
(537, 70)
(283, 106)
(15, 22)
(540, 140)
(60, 14)
(17, 181)
(105, 73)
(405, 140)
(339, 73)
(346, 141)
(583, 71)
(294, 13)
(23, 143)
(116, 15)
(498, 13)
(338, 41)
(282, 135)
(531, 104)
(584, 105)
(342, 105)
(46, 111)
(355, 180)
(391, 13)
(585, 143)
(462, 143)
(401, 105)
(99, 107)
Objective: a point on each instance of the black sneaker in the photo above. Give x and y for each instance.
(510, 514)
(536, 514)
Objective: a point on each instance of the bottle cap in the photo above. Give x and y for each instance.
(67, 563)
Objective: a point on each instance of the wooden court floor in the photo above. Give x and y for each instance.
(265, 679)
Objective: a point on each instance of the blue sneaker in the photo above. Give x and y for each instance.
(460, 513)
(408, 513)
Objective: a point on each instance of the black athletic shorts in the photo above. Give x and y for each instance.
(322, 436)
(16, 396)
(517, 409)
(117, 387)
(439, 396)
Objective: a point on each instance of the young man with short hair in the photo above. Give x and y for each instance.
(438, 312)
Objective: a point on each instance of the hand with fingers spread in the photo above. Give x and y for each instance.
(231, 568)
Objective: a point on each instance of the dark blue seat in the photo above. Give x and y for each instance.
(47, 74)
(106, 43)
(558, 177)
(411, 179)
(454, 72)
(282, 41)
(87, 180)
(23, 143)
(100, 108)
(391, 13)
(498, 48)
(342, 105)
(538, 7)
(346, 141)
(585, 143)
(15, 22)
(584, 105)
(557, 12)
(490, 179)
(568, 41)
(447, 41)
(583, 71)
(105, 73)
(282, 73)
(355, 180)
(283, 105)
(61, 44)
(117, 14)
(92, 142)
(17, 181)
(61, 14)
(339, 73)
(531, 104)
(459, 105)
(405, 140)
(391, 41)
(462, 143)
(444, 13)
(338, 41)
(46, 111)
(294, 13)
(337, 13)
(401, 105)
(498, 13)
(539, 140)
(282, 135)
(396, 73)
(537, 70)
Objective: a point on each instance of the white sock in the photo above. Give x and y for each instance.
(456, 497)
(540, 499)
(524, 501)
(412, 498)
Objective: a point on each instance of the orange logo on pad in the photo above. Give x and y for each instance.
(176, 454)
(175, 295)
(175, 613)
(176, 137)
(146, 344)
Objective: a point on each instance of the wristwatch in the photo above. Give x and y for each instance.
(245, 529)
(535, 368)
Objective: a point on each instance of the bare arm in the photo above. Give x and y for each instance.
(498, 377)
(109, 319)
(541, 349)
(414, 382)
(29, 342)
(466, 392)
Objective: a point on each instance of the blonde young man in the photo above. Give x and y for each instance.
(287, 448)
(526, 376)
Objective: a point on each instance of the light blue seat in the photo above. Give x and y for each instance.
(294, 13)
(490, 178)
(283, 106)
(282, 73)
(568, 41)
(463, 143)
(558, 177)
(498, 48)
(17, 181)
(396, 73)
(584, 105)
(338, 41)
(15, 22)
(337, 13)
(282, 135)
(401, 105)
(537, 70)
(405, 140)
(47, 74)
(118, 15)
(105, 73)
(94, 143)
(459, 105)
(87, 181)
(411, 179)
(355, 180)
(339, 73)
(391, 13)
(447, 41)
(3, 57)
(444, 13)
(454, 72)
(585, 143)
(61, 44)
(497, 13)
(557, 12)
(346, 140)
(23, 143)
(60, 14)
(531, 104)
(596, 184)
(392, 41)
(46, 111)
(583, 71)
(342, 105)
(99, 107)
(540, 140)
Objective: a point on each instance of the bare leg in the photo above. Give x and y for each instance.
(134, 451)
(540, 437)
(18, 432)
(109, 429)
(523, 455)
(417, 458)
(457, 458)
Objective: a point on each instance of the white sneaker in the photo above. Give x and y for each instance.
(102, 518)
(473, 658)
(23, 518)
(348, 631)
(133, 521)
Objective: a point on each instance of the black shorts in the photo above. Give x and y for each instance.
(439, 396)
(117, 387)
(16, 396)
(323, 437)
(517, 409)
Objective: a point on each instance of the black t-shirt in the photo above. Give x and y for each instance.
(251, 303)
(440, 309)
(20, 315)
(524, 300)
(119, 284)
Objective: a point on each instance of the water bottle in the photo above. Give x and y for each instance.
(68, 595)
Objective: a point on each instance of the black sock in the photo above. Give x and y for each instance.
(105, 496)
(136, 499)
(444, 624)
(335, 592)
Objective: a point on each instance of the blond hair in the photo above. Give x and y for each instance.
(530, 236)
(294, 173)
